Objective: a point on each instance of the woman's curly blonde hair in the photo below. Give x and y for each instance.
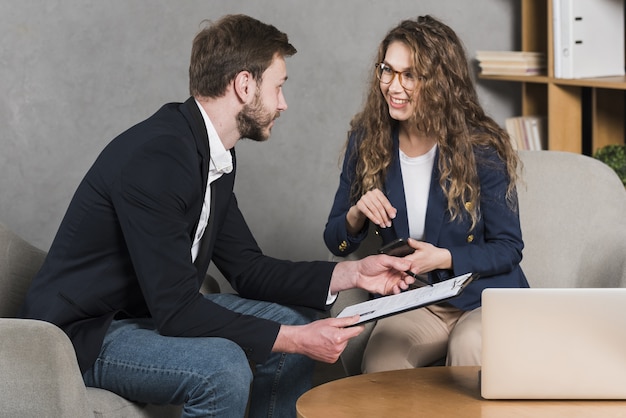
(447, 108)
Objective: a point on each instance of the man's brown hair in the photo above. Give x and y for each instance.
(233, 44)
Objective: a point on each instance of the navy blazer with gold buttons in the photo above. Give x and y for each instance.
(492, 249)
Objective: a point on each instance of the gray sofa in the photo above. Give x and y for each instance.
(39, 374)
(573, 219)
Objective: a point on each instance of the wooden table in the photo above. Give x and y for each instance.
(434, 392)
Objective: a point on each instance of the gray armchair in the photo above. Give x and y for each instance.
(39, 374)
(573, 219)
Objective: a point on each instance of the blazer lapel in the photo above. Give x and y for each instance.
(437, 206)
(191, 112)
(220, 188)
(220, 194)
(196, 122)
(394, 190)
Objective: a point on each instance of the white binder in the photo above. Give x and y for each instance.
(588, 38)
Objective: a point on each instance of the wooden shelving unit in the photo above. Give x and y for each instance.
(567, 102)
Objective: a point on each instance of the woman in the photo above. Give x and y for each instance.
(424, 161)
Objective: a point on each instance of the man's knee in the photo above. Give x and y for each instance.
(225, 387)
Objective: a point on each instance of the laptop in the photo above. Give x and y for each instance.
(554, 343)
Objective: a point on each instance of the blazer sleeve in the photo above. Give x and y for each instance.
(495, 246)
(336, 235)
(255, 275)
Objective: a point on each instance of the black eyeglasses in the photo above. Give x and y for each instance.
(386, 74)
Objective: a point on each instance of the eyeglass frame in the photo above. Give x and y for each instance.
(398, 73)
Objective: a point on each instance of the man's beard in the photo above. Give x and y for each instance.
(253, 120)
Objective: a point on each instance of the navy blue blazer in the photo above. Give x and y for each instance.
(493, 249)
(123, 248)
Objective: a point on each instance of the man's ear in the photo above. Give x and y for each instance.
(245, 86)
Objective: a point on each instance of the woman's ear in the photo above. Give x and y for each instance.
(245, 86)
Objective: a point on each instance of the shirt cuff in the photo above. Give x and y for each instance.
(330, 299)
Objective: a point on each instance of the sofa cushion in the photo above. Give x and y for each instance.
(107, 404)
(19, 262)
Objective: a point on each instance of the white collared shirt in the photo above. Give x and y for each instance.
(220, 162)
(416, 176)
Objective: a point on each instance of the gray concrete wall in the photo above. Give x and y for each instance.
(75, 73)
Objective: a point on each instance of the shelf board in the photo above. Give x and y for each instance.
(523, 78)
(615, 83)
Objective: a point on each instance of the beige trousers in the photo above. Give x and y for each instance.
(423, 336)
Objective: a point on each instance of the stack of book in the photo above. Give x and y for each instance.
(511, 62)
(527, 132)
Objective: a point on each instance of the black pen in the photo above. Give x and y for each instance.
(418, 278)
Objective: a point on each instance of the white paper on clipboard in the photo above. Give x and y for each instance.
(411, 299)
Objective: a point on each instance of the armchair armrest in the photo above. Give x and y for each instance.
(352, 355)
(40, 374)
(210, 285)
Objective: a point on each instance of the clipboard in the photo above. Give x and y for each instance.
(385, 306)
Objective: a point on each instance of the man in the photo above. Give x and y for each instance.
(123, 274)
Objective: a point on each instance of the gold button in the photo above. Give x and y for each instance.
(469, 206)
(470, 238)
(343, 246)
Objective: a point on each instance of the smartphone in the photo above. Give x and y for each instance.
(398, 248)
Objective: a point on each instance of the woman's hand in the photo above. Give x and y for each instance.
(427, 257)
(374, 206)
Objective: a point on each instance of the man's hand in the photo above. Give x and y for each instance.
(322, 340)
(382, 274)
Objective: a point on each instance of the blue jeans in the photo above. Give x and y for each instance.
(210, 376)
